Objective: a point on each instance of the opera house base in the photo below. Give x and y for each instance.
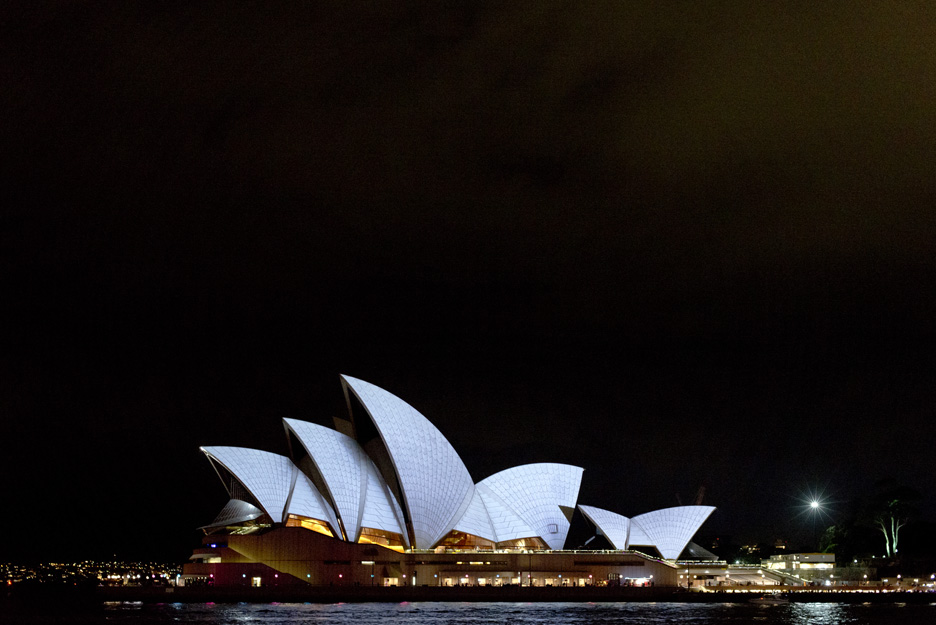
(296, 560)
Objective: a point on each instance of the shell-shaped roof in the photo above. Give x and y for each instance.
(381, 510)
(671, 529)
(507, 525)
(636, 536)
(235, 511)
(435, 484)
(476, 520)
(307, 501)
(535, 492)
(340, 461)
(614, 526)
(267, 476)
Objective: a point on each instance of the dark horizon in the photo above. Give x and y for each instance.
(676, 246)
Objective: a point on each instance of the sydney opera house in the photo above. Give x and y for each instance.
(383, 499)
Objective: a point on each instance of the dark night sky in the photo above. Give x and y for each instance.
(672, 244)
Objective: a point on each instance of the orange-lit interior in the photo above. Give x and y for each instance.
(523, 543)
(463, 540)
(310, 524)
(390, 540)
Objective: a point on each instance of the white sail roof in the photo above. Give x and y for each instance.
(612, 525)
(274, 482)
(476, 520)
(234, 512)
(535, 492)
(435, 485)
(506, 523)
(671, 529)
(381, 510)
(307, 501)
(267, 476)
(636, 536)
(340, 461)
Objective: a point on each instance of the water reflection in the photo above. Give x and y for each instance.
(821, 614)
(516, 614)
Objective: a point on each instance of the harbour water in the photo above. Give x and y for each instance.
(418, 613)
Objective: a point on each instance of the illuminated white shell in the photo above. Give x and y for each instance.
(476, 520)
(435, 485)
(381, 510)
(340, 461)
(273, 481)
(534, 493)
(615, 527)
(671, 529)
(504, 521)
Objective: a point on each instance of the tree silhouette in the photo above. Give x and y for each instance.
(890, 508)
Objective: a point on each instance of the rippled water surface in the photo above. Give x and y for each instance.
(120, 613)
(518, 613)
